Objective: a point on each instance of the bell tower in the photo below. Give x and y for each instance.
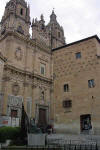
(16, 17)
(57, 38)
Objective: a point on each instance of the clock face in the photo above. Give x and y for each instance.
(18, 53)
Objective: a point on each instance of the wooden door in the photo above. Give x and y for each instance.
(42, 117)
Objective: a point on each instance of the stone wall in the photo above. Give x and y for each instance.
(76, 73)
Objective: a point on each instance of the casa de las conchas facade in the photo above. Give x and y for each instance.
(58, 83)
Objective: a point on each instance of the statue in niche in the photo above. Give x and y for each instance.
(42, 95)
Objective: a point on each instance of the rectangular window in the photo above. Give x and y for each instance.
(91, 83)
(78, 55)
(66, 87)
(67, 104)
(42, 69)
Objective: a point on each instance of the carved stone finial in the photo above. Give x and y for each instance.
(53, 10)
(42, 18)
(36, 20)
(33, 21)
(53, 16)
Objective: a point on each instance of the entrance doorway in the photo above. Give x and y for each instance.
(85, 122)
(42, 117)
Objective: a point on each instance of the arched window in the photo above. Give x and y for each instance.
(59, 34)
(21, 11)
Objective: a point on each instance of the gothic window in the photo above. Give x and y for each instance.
(78, 55)
(21, 11)
(67, 103)
(66, 88)
(91, 83)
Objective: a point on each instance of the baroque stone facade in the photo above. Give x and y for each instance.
(2, 62)
(27, 76)
(58, 83)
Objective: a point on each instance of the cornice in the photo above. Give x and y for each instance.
(33, 42)
(27, 73)
(17, 35)
(77, 42)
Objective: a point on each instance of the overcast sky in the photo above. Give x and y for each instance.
(79, 18)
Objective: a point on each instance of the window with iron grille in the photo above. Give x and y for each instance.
(91, 83)
(67, 103)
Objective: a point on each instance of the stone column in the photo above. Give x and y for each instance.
(51, 105)
(5, 90)
(25, 91)
(34, 86)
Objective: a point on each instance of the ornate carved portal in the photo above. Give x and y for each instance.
(14, 106)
